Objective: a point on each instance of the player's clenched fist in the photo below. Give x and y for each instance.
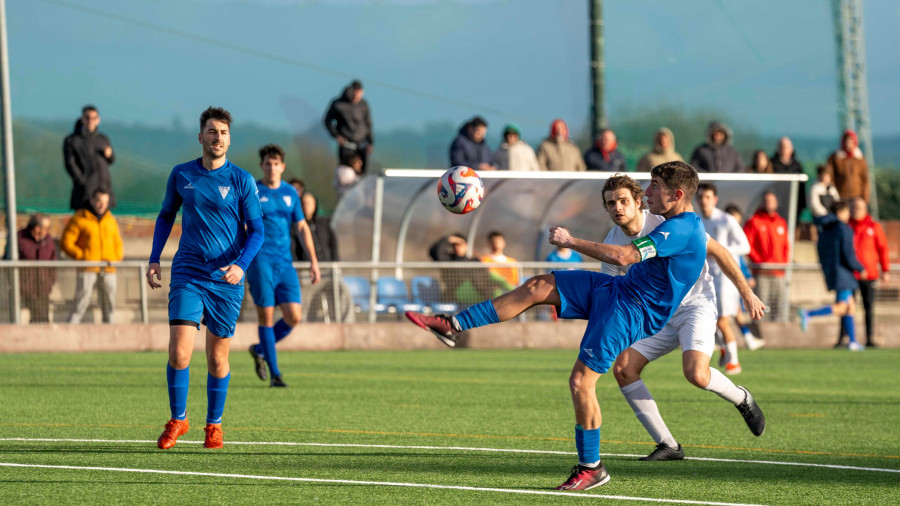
(154, 270)
(233, 274)
(559, 236)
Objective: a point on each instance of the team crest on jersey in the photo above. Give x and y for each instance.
(287, 200)
(224, 190)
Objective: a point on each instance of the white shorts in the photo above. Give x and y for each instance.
(728, 300)
(692, 327)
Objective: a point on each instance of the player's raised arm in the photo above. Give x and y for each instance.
(754, 306)
(608, 253)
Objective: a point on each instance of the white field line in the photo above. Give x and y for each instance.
(376, 483)
(456, 448)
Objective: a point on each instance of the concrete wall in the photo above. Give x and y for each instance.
(45, 338)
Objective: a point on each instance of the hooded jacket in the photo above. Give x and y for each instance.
(349, 120)
(850, 171)
(658, 155)
(468, 153)
(836, 254)
(87, 237)
(767, 235)
(561, 155)
(87, 165)
(710, 157)
(871, 246)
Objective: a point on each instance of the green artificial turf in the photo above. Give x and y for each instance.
(822, 407)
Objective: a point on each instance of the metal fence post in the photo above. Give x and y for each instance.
(145, 305)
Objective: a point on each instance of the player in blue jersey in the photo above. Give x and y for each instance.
(619, 309)
(222, 230)
(271, 276)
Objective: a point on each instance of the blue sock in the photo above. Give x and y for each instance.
(216, 391)
(281, 330)
(745, 329)
(267, 342)
(822, 311)
(478, 315)
(178, 380)
(588, 444)
(849, 327)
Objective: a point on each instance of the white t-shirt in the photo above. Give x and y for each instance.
(722, 227)
(701, 293)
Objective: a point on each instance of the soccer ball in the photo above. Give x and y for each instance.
(460, 190)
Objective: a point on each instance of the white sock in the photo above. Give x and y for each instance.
(644, 407)
(724, 387)
(732, 352)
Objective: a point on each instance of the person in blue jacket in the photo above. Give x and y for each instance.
(469, 148)
(838, 260)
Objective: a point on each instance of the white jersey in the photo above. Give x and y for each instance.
(702, 293)
(722, 227)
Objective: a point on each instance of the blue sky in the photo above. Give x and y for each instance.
(278, 62)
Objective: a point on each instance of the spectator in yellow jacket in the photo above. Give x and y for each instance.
(93, 235)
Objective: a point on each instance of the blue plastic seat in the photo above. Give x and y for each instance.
(393, 297)
(359, 292)
(426, 291)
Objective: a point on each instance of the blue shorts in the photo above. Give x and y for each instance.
(215, 304)
(615, 322)
(273, 283)
(843, 295)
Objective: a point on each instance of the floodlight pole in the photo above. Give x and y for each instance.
(9, 165)
(598, 113)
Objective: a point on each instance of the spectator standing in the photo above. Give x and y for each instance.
(839, 262)
(36, 283)
(822, 194)
(717, 154)
(871, 248)
(347, 175)
(514, 153)
(88, 154)
(320, 228)
(663, 151)
(605, 155)
(504, 279)
(767, 234)
(349, 121)
(557, 152)
(784, 161)
(761, 163)
(849, 169)
(469, 149)
(93, 235)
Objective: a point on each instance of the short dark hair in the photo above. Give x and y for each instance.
(821, 169)
(838, 206)
(702, 187)
(732, 208)
(678, 176)
(618, 182)
(356, 85)
(297, 180)
(494, 233)
(216, 113)
(270, 150)
(477, 121)
(89, 107)
(99, 189)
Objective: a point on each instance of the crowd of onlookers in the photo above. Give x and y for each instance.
(92, 233)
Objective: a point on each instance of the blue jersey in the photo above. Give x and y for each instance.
(574, 257)
(216, 204)
(281, 210)
(673, 256)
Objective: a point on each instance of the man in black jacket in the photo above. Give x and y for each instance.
(88, 155)
(348, 120)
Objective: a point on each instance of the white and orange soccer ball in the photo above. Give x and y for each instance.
(460, 190)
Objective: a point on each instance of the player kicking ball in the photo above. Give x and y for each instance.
(222, 230)
(271, 276)
(619, 309)
(692, 327)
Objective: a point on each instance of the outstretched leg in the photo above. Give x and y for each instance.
(589, 472)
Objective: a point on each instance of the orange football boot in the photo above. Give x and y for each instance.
(174, 428)
(214, 436)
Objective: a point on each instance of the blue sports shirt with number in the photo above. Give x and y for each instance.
(281, 209)
(215, 206)
(672, 257)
